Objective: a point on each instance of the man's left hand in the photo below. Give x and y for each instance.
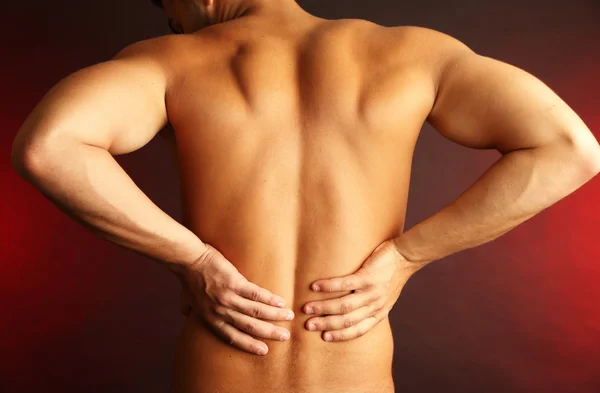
(375, 287)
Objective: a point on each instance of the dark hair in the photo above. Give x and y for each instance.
(157, 3)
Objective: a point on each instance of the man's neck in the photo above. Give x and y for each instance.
(283, 9)
(228, 12)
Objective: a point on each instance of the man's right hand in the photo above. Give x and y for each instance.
(230, 305)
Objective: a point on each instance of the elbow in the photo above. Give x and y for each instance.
(585, 150)
(24, 161)
(20, 156)
(589, 156)
(588, 160)
(28, 158)
(592, 164)
(23, 151)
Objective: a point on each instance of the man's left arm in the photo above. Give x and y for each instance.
(547, 153)
(66, 145)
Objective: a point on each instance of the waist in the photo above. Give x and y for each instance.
(305, 363)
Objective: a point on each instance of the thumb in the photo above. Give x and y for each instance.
(384, 253)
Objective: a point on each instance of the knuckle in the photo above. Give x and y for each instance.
(224, 298)
(220, 324)
(375, 297)
(345, 308)
(220, 310)
(256, 312)
(372, 307)
(255, 294)
(231, 283)
(249, 327)
(348, 323)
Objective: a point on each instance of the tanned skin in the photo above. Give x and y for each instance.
(294, 137)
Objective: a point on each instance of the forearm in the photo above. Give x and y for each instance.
(517, 187)
(89, 185)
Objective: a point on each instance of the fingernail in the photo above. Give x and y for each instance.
(328, 337)
(280, 304)
(312, 326)
(284, 336)
(262, 351)
(309, 310)
(289, 317)
(317, 288)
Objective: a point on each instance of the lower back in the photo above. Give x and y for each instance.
(302, 209)
(305, 363)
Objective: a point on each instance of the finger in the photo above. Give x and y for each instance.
(238, 339)
(252, 326)
(338, 284)
(352, 332)
(341, 305)
(260, 310)
(339, 322)
(252, 291)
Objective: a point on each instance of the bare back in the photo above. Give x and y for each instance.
(295, 150)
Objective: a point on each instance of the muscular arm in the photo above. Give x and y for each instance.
(548, 152)
(66, 145)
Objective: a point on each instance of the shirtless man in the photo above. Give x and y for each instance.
(294, 137)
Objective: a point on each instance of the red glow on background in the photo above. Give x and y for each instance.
(520, 314)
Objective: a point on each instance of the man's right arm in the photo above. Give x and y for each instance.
(548, 152)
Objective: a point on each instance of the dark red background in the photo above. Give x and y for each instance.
(519, 314)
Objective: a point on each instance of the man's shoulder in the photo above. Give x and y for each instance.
(147, 47)
(172, 52)
(419, 35)
(160, 47)
(413, 47)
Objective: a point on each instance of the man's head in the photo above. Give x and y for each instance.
(188, 16)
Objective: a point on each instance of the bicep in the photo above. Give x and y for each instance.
(485, 103)
(117, 105)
